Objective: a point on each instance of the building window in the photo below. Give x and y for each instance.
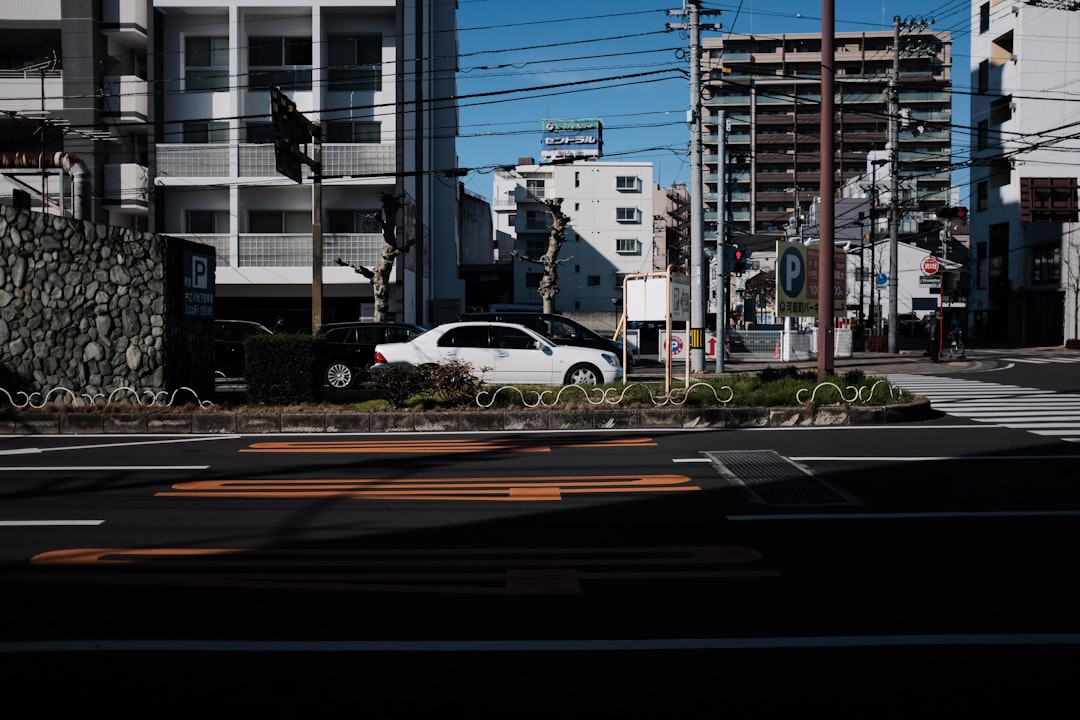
(208, 222)
(592, 281)
(353, 221)
(281, 61)
(627, 215)
(349, 132)
(577, 179)
(619, 279)
(260, 133)
(206, 63)
(1046, 264)
(984, 76)
(627, 246)
(201, 133)
(532, 280)
(355, 62)
(511, 220)
(277, 222)
(984, 18)
(535, 188)
(982, 196)
(982, 138)
(536, 220)
(627, 183)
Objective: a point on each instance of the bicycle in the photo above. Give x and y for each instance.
(956, 345)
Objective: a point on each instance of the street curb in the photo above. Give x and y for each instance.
(216, 423)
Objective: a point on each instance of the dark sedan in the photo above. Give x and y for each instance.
(348, 349)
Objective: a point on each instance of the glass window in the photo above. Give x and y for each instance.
(355, 62)
(627, 246)
(353, 221)
(281, 61)
(355, 131)
(276, 222)
(626, 215)
(208, 222)
(468, 336)
(627, 183)
(260, 132)
(202, 132)
(206, 63)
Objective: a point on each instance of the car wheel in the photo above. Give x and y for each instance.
(339, 376)
(583, 374)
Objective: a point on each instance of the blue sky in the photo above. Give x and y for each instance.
(521, 62)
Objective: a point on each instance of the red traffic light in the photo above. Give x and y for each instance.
(738, 253)
(952, 212)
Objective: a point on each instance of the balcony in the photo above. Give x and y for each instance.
(124, 21)
(126, 99)
(524, 194)
(29, 90)
(127, 188)
(195, 160)
(291, 250)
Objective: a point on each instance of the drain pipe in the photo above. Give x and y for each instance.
(71, 164)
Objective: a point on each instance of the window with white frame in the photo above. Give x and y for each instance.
(627, 215)
(277, 222)
(281, 61)
(627, 183)
(202, 132)
(627, 246)
(207, 222)
(535, 188)
(206, 63)
(355, 62)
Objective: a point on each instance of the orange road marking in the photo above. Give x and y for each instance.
(434, 445)
(500, 489)
(506, 571)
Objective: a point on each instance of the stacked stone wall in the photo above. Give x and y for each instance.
(94, 308)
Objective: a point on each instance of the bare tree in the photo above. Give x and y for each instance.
(549, 283)
(391, 250)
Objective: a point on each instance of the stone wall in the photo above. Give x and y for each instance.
(94, 309)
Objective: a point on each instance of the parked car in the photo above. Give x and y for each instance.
(558, 328)
(349, 349)
(229, 338)
(500, 353)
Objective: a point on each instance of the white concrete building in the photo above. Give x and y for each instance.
(159, 110)
(1025, 64)
(610, 235)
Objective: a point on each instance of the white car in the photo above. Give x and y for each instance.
(502, 354)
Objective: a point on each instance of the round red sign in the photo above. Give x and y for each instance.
(930, 265)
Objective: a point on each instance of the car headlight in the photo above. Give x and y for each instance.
(610, 359)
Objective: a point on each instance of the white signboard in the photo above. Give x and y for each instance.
(651, 297)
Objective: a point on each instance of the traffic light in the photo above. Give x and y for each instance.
(952, 211)
(738, 265)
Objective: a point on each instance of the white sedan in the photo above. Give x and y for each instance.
(502, 354)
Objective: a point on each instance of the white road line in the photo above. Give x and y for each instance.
(200, 438)
(48, 523)
(910, 515)
(102, 468)
(533, 645)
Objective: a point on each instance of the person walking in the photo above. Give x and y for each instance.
(932, 345)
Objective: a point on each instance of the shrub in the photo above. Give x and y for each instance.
(279, 369)
(451, 384)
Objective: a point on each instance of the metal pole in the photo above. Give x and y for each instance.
(894, 178)
(721, 245)
(316, 236)
(826, 276)
(698, 299)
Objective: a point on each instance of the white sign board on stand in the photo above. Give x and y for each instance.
(652, 297)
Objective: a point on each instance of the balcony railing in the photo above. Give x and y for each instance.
(360, 161)
(28, 90)
(195, 160)
(291, 250)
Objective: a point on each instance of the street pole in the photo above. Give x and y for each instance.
(698, 300)
(316, 232)
(721, 245)
(894, 182)
(826, 275)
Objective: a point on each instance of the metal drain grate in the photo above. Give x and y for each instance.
(769, 478)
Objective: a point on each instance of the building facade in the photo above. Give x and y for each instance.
(762, 108)
(162, 108)
(610, 230)
(1023, 193)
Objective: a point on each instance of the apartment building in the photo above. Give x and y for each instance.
(158, 113)
(1025, 63)
(766, 90)
(610, 231)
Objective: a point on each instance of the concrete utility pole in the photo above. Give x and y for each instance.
(699, 299)
(894, 181)
(826, 350)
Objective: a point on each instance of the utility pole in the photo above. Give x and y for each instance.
(826, 273)
(721, 245)
(699, 298)
(894, 182)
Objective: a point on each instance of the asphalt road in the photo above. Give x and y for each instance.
(919, 570)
